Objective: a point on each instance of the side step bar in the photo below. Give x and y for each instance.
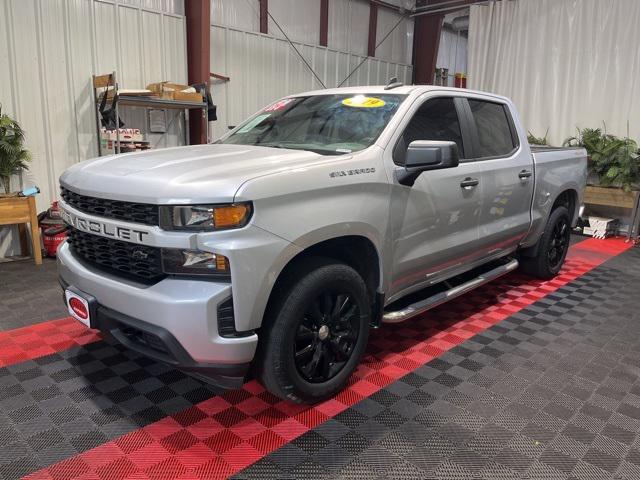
(442, 297)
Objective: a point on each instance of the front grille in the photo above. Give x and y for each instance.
(139, 262)
(144, 213)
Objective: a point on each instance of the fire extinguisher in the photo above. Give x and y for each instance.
(52, 237)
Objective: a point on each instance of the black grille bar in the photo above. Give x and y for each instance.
(144, 213)
(138, 262)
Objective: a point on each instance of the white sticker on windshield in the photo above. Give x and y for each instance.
(253, 123)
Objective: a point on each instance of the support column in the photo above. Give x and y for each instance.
(198, 14)
(324, 23)
(426, 41)
(373, 27)
(264, 16)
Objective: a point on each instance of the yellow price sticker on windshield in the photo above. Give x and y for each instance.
(360, 101)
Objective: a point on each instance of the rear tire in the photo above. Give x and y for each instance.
(552, 247)
(316, 332)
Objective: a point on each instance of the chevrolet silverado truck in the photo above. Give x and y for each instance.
(273, 251)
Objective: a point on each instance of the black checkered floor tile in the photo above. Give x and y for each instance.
(551, 392)
(57, 406)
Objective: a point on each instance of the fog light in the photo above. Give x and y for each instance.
(194, 262)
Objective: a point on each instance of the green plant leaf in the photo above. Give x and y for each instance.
(14, 158)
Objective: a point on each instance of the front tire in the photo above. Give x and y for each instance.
(316, 332)
(552, 247)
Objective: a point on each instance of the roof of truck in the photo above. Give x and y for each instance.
(402, 90)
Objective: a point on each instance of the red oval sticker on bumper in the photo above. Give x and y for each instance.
(78, 307)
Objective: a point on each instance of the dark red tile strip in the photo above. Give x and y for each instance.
(225, 434)
(28, 343)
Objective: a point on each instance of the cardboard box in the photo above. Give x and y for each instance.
(167, 89)
(126, 135)
(188, 96)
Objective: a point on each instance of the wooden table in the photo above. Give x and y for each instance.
(22, 210)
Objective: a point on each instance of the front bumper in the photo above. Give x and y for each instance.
(178, 315)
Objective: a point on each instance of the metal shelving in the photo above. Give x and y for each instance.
(108, 81)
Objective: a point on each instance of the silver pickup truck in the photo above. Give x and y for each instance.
(275, 250)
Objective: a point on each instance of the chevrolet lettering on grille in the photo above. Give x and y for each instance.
(104, 229)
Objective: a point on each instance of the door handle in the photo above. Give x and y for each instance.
(525, 174)
(469, 182)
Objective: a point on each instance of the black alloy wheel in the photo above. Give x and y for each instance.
(315, 331)
(552, 247)
(559, 243)
(326, 336)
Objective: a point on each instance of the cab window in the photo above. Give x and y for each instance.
(495, 134)
(436, 119)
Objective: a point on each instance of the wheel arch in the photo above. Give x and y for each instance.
(356, 250)
(569, 198)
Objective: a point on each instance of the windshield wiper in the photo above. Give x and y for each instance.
(321, 151)
(271, 145)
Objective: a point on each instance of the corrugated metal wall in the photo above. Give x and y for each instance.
(398, 47)
(348, 24)
(264, 68)
(50, 48)
(48, 52)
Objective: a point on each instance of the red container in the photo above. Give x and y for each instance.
(52, 237)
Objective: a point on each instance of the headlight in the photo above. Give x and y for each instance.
(194, 262)
(202, 218)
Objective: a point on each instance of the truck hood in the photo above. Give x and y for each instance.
(182, 175)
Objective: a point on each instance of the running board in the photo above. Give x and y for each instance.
(442, 297)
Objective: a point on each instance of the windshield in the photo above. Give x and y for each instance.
(326, 124)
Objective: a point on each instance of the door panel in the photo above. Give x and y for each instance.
(506, 213)
(506, 174)
(436, 226)
(434, 222)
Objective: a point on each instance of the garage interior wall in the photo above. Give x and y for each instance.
(264, 67)
(565, 63)
(49, 51)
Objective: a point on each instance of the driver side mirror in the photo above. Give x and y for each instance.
(423, 155)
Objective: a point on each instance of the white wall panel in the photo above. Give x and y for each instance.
(349, 25)
(50, 49)
(243, 14)
(131, 61)
(264, 68)
(398, 46)
(152, 56)
(300, 19)
(106, 36)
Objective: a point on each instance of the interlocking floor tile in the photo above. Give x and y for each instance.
(425, 419)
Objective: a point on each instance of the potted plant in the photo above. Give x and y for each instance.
(613, 161)
(533, 140)
(14, 158)
(614, 170)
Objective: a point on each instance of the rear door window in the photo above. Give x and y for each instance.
(493, 125)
